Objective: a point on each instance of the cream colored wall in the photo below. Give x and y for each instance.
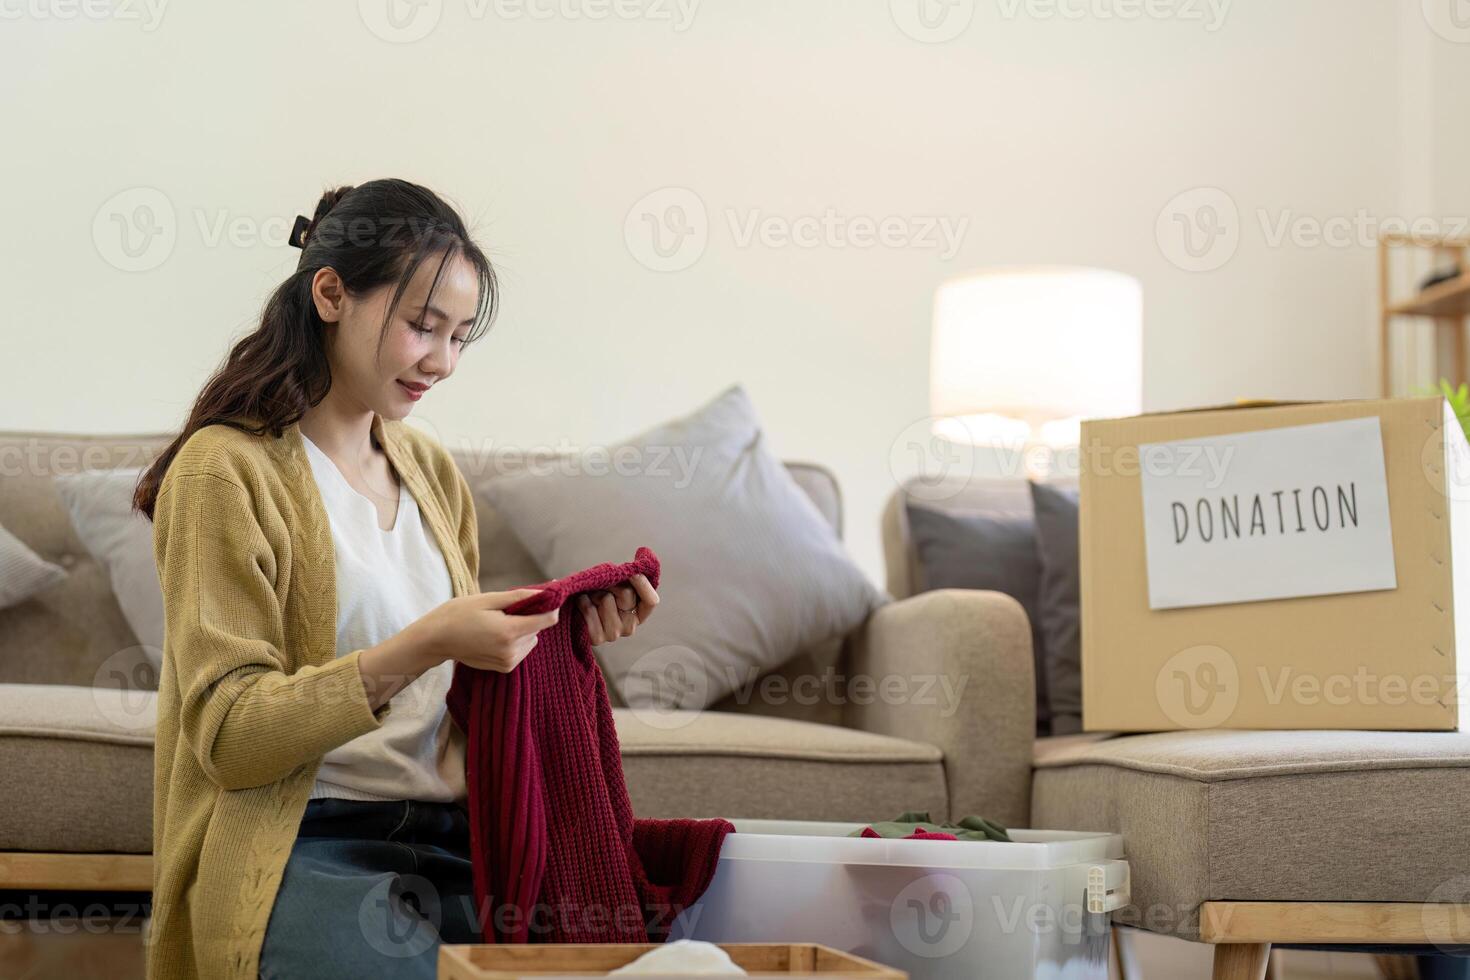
(1449, 154)
(1045, 136)
(1433, 141)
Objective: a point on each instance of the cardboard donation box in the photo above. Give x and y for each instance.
(1300, 565)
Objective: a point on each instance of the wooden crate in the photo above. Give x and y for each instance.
(761, 960)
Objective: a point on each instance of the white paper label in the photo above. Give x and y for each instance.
(1271, 514)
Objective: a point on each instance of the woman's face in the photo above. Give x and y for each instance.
(412, 354)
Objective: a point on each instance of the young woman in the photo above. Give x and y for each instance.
(318, 558)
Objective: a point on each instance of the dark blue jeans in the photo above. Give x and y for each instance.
(371, 890)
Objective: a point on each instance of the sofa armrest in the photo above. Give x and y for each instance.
(953, 668)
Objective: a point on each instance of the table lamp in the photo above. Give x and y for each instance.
(1021, 354)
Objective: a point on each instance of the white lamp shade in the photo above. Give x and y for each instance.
(1045, 344)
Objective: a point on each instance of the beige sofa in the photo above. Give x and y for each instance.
(1235, 838)
(1244, 838)
(77, 709)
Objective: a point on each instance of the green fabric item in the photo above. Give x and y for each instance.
(969, 828)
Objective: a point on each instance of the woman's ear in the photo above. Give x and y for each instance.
(327, 294)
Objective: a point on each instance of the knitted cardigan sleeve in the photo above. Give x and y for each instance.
(250, 713)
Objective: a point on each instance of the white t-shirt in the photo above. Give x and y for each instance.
(385, 581)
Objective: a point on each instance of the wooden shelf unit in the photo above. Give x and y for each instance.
(1447, 304)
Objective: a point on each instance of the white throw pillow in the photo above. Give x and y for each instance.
(100, 503)
(23, 573)
(752, 573)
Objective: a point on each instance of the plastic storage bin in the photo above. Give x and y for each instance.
(1039, 906)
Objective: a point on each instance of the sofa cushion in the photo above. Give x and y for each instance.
(716, 764)
(969, 498)
(74, 631)
(1225, 815)
(87, 756)
(761, 575)
(991, 552)
(505, 563)
(23, 573)
(1060, 601)
(100, 503)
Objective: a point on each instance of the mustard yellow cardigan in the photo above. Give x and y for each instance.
(252, 693)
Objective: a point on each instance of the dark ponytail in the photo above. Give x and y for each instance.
(372, 235)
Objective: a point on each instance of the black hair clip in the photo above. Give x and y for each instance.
(298, 231)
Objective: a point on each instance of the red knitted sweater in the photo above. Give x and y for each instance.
(557, 854)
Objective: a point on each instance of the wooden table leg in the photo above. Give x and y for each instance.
(1241, 961)
(1116, 969)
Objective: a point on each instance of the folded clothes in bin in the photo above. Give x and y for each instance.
(918, 834)
(916, 825)
(1037, 908)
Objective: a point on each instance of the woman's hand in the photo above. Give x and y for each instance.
(474, 630)
(615, 613)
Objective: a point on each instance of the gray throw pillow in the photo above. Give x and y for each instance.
(752, 573)
(991, 552)
(1061, 602)
(23, 573)
(100, 503)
